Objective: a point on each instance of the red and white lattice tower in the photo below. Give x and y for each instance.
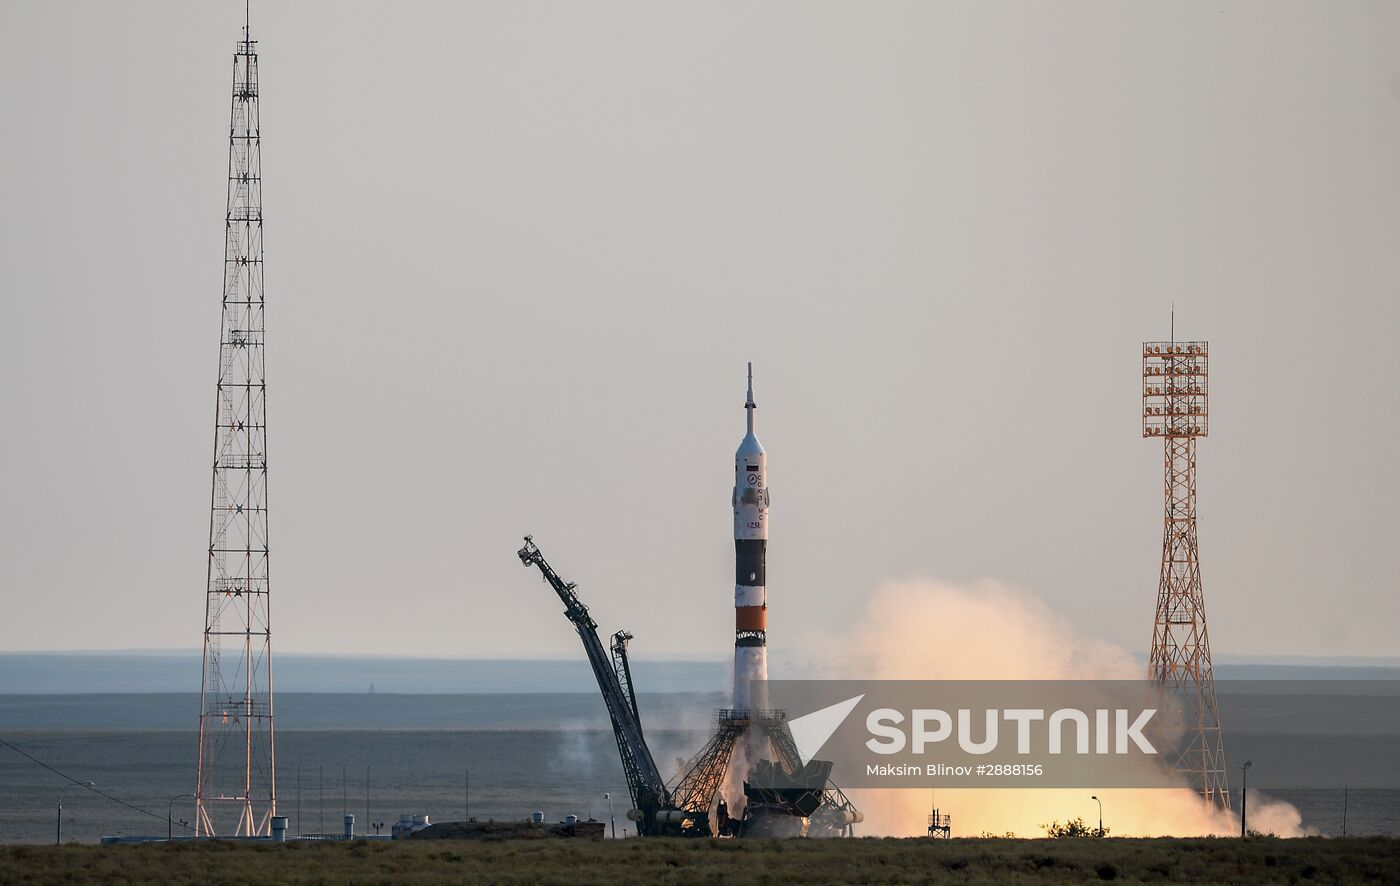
(236, 791)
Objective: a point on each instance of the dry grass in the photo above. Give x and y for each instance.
(650, 862)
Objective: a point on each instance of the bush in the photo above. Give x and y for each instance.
(1072, 828)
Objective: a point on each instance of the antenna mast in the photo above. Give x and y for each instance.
(236, 789)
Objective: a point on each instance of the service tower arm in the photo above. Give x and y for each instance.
(644, 780)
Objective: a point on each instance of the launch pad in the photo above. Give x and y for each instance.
(782, 795)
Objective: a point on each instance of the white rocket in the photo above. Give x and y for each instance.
(750, 501)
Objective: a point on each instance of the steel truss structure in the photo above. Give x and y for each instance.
(1175, 391)
(644, 779)
(705, 772)
(236, 788)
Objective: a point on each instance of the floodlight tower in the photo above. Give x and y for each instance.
(1174, 408)
(236, 790)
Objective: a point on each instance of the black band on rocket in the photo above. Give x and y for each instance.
(749, 557)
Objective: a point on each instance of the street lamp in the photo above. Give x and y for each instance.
(169, 813)
(1100, 802)
(77, 784)
(1244, 792)
(611, 817)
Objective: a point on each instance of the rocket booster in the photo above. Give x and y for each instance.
(750, 501)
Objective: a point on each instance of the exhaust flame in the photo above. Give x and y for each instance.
(924, 630)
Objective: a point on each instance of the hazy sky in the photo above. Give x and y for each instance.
(518, 253)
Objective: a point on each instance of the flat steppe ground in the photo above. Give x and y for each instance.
(653, 861)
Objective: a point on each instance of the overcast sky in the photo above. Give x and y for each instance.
(518, 253)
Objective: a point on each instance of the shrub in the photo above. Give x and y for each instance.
(1072, 828)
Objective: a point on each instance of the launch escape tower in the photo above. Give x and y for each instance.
(236, 790)
(1174, 408)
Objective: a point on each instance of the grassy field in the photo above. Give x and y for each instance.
(649, 862)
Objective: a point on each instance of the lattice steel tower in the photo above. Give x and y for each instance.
(1174, 407)
(236, 791)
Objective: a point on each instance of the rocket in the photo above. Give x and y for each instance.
(750, 502)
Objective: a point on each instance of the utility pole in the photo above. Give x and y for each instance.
(1244, 794)
(58, 838)
(170, 814)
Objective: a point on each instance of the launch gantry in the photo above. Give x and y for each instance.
(644, 781)
(786, 787)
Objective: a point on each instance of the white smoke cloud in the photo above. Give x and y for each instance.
(927, 630)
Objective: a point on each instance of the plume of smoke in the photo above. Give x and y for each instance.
(924, 630)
